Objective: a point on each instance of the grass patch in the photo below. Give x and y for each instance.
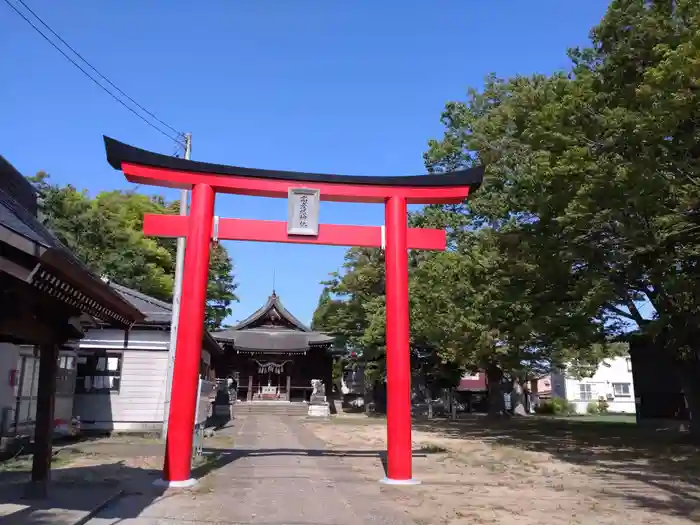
(431, 448)
(23, 463)
(630, 419)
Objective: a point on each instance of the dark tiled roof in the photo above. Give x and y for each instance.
(14, 184)
(265, 331)
(21, 221)
(271, 340)
(18, 206)
(272, 306)
(156, 311)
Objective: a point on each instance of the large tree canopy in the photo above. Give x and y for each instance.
(106, 233)
(589, 208)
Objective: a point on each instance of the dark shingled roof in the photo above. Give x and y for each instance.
(272, 341)
(16, 217)
(158, 312)
(155, 311)
(273, 305)
(272, 329)
(82, 289)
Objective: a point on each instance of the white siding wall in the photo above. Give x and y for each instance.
(109, 338)
(617, 372)
(27, 377)
(138, 406)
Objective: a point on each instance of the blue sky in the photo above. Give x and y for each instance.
(334, 87)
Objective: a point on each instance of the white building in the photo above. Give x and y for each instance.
(18, 393)
(121, 384)
(109, 381)
(611, 381)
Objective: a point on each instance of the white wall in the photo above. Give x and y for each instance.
(610, 373)
(26, 388)
(138, 406)
(110, 338)
(9, 355)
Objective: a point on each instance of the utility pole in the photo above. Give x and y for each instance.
(177, 292)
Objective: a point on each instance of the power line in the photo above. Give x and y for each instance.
(95, 69)
(72, 61)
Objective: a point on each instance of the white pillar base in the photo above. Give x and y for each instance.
(175, 484)
(389, 481)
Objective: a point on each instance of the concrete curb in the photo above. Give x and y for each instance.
(101, 506)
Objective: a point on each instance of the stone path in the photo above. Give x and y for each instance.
(278, 473)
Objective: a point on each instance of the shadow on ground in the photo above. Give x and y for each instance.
(662, 458)
(73, 493)
(77, 489)
(222, 456)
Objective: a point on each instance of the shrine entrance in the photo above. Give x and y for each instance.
(274, 355)
(304, 192)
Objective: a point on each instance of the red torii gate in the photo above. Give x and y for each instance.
(205, 180)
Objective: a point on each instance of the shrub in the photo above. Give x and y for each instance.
(556, 407)
(593, 408)
(603, 405)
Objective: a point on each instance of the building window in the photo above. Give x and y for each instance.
(629, 364)
(65, 381)
(621, 389)
(585, 392)
(99, 373)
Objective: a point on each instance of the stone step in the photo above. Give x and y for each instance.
(271, 408)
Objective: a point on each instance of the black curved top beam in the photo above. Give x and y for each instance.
(118, 153)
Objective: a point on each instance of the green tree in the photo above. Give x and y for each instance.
(514, 306)
(106, 233)
(593, 185)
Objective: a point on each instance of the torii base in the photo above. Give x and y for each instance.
(407, 482)
(164, 483)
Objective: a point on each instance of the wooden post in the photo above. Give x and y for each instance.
(328, 380)
(43, 430)
(250, 388)
(289, 387)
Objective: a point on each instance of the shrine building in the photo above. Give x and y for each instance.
(272, 356)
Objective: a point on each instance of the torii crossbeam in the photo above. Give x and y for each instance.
(201, 226)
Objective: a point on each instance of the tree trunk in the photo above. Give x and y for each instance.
(368, 398)
(689, 375)
(517, 399)
(494, 378)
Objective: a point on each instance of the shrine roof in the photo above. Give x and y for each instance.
(272, 329)
(119, 153)
(270, 340)
(273, 310)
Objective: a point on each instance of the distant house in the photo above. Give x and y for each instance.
(121, 385)
(612, 381)
(472, 391)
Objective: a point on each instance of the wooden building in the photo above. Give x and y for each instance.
(121, 385)
(44, 292)
(274, 356)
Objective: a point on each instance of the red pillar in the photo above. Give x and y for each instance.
(398, 359)
(183, 397)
